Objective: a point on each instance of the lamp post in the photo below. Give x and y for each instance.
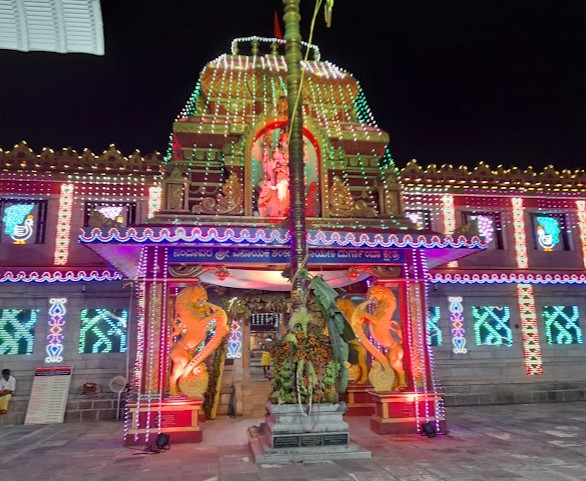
(297, 226)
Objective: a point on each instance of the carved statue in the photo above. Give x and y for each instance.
(281, 155)
(342, 203)
(387, 372)
(273, 198)
(358, 372)
(194, 318)
(228, 201)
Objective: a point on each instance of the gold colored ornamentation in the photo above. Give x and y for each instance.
(194, 271)
(380, 272)
(381, 376)
(221, 272)
(152, 358)
(194, 318)
(228, 201)
(342, 203)
(195, 385)
(174, 187)
(353, 371)
(386, 331)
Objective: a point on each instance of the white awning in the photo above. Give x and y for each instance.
(62, 26)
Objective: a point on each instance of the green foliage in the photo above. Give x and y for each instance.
(215, 365)
(308, 364)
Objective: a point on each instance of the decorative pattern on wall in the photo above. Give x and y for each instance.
(60, 276)
(502, 278)
(581, 206)
(457, 323)
(235, 340)
(529, 329)
(54, 347)
(61, 256)
(519, 233)
(434, 333)
(103, 331)
(491, 326)
(17, 331)
(562, 325)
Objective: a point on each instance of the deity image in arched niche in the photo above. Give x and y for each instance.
(270, 173)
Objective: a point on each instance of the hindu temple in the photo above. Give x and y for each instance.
(170, 270)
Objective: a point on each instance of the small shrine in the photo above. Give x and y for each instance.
(223, 234)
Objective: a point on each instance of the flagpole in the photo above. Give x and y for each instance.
(297, 228)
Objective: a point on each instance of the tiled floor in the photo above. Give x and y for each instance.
(538, 442)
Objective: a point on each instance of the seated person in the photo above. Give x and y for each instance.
(7, 388)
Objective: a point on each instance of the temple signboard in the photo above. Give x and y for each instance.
(281, 255)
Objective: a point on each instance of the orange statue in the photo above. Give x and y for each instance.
(387, 372)
(194, 318)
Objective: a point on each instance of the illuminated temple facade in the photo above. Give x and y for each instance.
(94, 248)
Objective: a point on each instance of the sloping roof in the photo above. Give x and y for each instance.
(62, 26)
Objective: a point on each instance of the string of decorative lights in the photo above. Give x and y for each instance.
(529, 330)
(506, 278)
(275, 236)
(56, 323)
(519, 233)
(17, 331)
(155, 200)
(491, 326)
(62, 239)
(60, 276)
(562, 325)
(581, 213)
(436, 388)
(457, 323)
(449, 216)
(418, 313)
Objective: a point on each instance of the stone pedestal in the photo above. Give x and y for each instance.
(292, 435)
(360, 402)
(177, 418)
(404, 412)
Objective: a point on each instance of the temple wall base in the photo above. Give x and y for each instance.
(179, 419)
(403, 412)
(360, 402)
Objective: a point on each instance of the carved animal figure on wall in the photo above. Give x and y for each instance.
(387, 332)
(194, 318)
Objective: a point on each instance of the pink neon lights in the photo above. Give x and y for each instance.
(447, 278)
(274, 237)
(59, 276)
(63, 225)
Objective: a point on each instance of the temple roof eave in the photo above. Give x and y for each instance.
(122, 247)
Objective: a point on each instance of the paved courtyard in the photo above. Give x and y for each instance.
(538, 442)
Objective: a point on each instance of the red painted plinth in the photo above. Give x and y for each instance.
(404, 412)
(360, 402)
(179, 418)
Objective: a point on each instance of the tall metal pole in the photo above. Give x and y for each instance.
(295, 118)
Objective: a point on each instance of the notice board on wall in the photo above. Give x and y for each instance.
(49, 395)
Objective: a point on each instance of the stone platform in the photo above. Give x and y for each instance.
(295, 433)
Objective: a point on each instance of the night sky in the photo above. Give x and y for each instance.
(451, 81)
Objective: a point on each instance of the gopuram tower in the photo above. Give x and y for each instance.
(221, 232)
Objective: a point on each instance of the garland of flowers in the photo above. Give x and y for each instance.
(304, 369)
